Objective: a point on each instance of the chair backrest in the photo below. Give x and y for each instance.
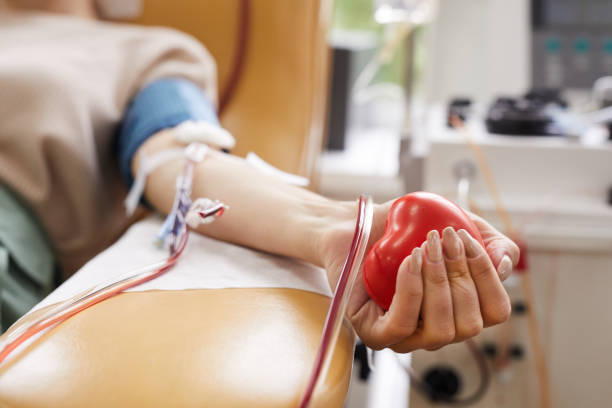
(277, 107)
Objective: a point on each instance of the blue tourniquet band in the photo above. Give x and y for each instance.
(162, 104)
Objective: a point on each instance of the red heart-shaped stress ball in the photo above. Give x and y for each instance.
(409, 220)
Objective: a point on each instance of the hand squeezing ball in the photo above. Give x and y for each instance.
(409, 220)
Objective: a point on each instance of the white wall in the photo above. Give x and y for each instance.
(478, 48)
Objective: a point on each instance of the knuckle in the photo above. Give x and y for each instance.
(480, 269)
(373, 343)
(413, 292)
(407, 330)
(470, 329)
(505, 312)
(389, 334)
(448, 336)
(375, 346)
(402, 349)
(413, 273)
(499, 313)
(437, 278)
(458, 273)
(434, 347)
(396, 333)
(463, 289)
(441, 337)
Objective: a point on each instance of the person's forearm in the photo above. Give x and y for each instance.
(265, 213)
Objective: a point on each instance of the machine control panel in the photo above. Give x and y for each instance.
(571, 42)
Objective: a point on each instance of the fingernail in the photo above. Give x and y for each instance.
(450, 243)
(472, 247)
(434, 249)
(415, 259)
(504, 269)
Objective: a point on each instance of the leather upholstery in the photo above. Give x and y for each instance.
(195, 348)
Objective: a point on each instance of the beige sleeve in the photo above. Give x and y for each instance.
(162, 53)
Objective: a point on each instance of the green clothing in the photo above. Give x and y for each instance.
(27, 263)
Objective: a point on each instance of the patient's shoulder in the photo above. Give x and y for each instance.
(155, 52)
(137, 36)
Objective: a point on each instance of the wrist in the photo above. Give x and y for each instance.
(335, 240)
(326, 220)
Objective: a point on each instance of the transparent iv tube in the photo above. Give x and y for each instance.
(67, 309)
(339, 301)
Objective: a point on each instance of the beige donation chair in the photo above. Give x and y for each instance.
(224, 347)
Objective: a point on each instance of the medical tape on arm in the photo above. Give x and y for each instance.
(203, 132)
(187, 133)
(147, 165)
